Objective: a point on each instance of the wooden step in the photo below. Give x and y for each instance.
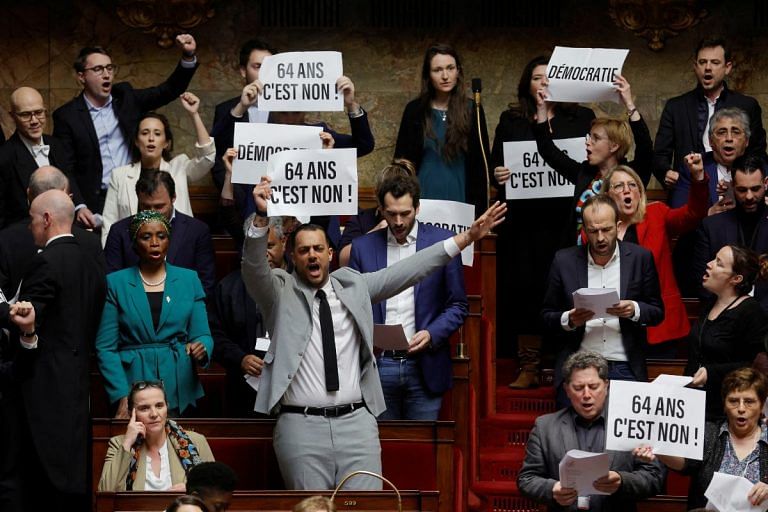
(537, 400)
(501, 466)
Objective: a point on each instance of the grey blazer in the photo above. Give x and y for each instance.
(286, 303)
(552, 436)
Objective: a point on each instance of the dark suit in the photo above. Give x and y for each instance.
(681, 130)
(16, 166)
(440, 300)
(551, 438)
(190, 247)
(236, 323)
(74, 126)
(639, 282)
(67, 288)
(717, 231)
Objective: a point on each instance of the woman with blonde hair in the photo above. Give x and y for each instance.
(652, 226)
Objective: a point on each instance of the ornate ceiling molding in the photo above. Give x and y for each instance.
(165, 18)
(656, 20)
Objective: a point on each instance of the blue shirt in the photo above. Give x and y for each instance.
(439, 178)
(113, 148)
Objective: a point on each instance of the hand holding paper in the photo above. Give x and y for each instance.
(597, 300)
(587, 473)
(734, 494)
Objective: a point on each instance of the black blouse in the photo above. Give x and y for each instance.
(155, 300)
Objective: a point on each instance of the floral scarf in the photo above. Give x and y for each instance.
(183, 446)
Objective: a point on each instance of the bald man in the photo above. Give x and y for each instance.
(26, 150)
(51, 365)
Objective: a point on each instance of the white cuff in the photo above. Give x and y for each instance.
(255, 232)
(451, 248)
(189, 63)
(565, 320)
(29, 345)
(636, 316)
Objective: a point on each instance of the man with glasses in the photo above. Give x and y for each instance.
(99, 125)
(27, 150)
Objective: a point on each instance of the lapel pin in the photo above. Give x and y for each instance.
(168, 299)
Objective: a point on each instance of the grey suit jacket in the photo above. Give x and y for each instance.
(286, 303)
(552, 436)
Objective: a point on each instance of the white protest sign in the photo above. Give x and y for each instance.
(582, 75)
(301, 82)
(668, 418)
(257, 142)
(531, 177)
(313, 182)
(450, 215)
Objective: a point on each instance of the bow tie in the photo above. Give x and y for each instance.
(43, 149)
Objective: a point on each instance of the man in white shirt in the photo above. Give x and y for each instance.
(320, 372)
(604, 262)
(415, 379)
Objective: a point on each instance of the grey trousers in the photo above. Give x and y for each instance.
(316, 453)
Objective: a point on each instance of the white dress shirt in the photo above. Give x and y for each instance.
(257, 116)
(401, 309)
(710, 112)
(38, 153)
(163, 482)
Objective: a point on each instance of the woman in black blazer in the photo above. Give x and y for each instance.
(444, 133)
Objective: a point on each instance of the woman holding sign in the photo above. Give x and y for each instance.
(737, 446)
(730, 332)
(440, 133)
(152, 146)
(528, 269)
(651, 226)
(608, 142)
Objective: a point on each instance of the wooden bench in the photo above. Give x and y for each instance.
(261, 501)
(415, 454)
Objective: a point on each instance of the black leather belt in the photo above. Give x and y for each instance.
(395, 354)
(328, 412)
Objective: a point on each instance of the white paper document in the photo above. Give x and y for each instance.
(596, 300)
(584, 75)
(673, 380)
(450, 215)
(579, 469)
(729, 493)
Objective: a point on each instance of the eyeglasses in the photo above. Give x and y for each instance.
(99, 70)
(27, 115)
(593, 138)
(144, 384)
(749, 403)
(620, 187)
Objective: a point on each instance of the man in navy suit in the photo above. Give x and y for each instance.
(99, 125)
(27, 150)
(604, 262)
(191, 245)
(745, 225)
(413, 380)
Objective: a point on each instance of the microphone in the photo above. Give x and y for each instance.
(477, 88)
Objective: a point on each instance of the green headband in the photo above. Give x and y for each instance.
(145, 217)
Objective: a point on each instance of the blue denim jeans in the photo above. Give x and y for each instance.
(404, 392)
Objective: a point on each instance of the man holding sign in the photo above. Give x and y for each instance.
(319, 373)
(414, 380)
(582, 426)
(604, 263)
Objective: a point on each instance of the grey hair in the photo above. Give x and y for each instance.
(276, 224)
(582, 361)
(735, 113)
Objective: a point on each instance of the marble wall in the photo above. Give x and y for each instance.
(39, 42)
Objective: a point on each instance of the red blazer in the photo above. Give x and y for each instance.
(661, 223)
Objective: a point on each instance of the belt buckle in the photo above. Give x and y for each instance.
(327, 409)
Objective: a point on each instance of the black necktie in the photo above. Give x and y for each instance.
(329, 344)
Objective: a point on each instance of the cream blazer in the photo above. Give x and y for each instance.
(121, 200)
(118, 461)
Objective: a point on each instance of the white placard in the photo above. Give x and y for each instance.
(313, 182)
(256, 142)
(531, 177)
(301, 82)
(668, 418)
(582, 75)
(451, 215)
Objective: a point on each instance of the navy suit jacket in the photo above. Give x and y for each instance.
(190, 247)
(440, 299)
(16, 166)
(717, 231)
(678, 195)
(74, 126)
(638, 282)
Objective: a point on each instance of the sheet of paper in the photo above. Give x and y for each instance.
(579, 469)
(729, 492)
(301, 82)
(389, 337)
(596, 300)
(262, 344)
(531, 177)
(450, 215)
(673, 380)
(584, 75)
(253, 381)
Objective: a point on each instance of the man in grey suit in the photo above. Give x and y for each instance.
(582, 426)
(320, 373)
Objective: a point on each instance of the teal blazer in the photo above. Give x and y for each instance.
(129, 349)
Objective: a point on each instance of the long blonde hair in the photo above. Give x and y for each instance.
(641, 207)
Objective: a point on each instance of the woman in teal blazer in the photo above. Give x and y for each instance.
(154, 325)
